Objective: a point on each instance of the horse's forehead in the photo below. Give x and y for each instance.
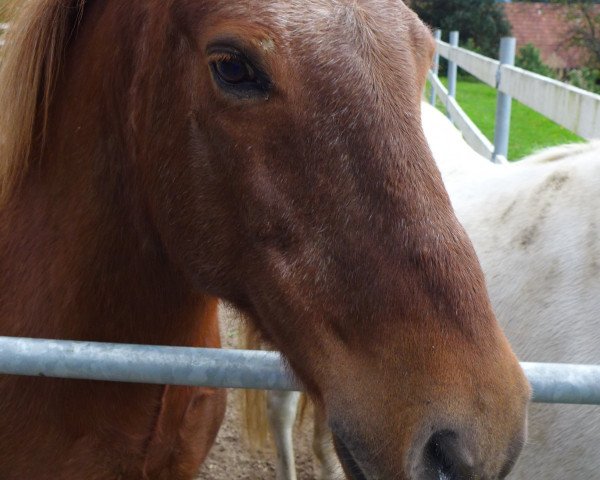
(324, 24)
(310, 10)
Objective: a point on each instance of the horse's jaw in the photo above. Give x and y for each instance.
(350, 465)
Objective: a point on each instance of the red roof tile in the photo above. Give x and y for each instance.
(546, 26)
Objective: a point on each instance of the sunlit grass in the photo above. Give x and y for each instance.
(529, 131)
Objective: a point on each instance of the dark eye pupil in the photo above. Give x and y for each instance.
(233, 71)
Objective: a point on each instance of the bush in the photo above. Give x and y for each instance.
(482, 22)
(529, 59)
(586, 78)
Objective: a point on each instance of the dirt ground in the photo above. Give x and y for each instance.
(231, 458)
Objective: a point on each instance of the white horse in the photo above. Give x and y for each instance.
(536, 227)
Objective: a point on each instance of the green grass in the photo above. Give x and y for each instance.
(529, 131)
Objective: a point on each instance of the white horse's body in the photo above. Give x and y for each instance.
(536, 227)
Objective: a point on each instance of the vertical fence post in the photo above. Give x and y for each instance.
(452, 67)
(504, 101)
(437, 34)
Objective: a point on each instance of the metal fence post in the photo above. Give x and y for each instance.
(452, 67)
(437, 34)
(504, 102)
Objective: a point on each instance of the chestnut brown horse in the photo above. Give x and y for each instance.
(158, 154)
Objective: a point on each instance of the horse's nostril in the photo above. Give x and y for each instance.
(447, 457)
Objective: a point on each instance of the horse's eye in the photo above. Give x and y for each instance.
(234, 71)
(235, 74)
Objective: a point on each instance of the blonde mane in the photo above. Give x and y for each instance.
(30, 62)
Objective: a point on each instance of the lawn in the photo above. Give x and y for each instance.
(529, 131)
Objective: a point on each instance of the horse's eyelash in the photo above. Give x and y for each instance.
(225, 57)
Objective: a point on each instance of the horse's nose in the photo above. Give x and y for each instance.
(448, 456)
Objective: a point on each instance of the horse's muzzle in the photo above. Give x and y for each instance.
(445, 457)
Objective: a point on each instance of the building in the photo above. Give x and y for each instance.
(546, 26)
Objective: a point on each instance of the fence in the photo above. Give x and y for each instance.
(573, 108)
(219, 368)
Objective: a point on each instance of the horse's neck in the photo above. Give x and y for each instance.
(73, 265)
(79, 257)
(78, 260)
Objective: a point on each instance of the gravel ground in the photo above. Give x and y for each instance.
(231, 458)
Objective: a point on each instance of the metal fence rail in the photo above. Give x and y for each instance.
(209, 367)
(221, 368)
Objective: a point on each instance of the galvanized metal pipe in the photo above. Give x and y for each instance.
(564, 383)
(223, 368)
(219, 368)
(508, 47)
(452, 65)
